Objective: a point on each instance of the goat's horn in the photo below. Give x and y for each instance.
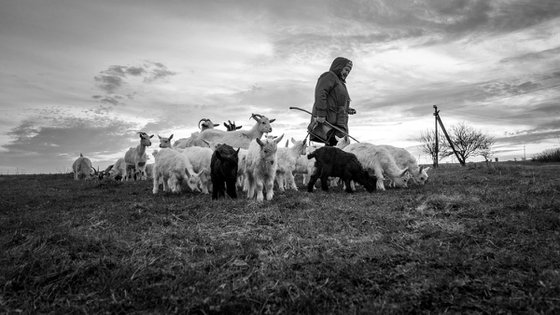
(256, 115)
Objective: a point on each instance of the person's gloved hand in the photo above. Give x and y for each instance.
(351, 111)
(321, 120)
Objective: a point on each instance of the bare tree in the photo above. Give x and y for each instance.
(468, 142)
(428, 140)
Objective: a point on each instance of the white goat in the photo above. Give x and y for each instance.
(200, 159)
(379, 161)
(135, 158)
(261, 167)
(305, 166)
(82, 168)
(241, 167)
(173, 168)
(287, 160)
(165, 142)
(150, 170)
(239, 138)
(191, 141)
(405, 159)
(118, 169)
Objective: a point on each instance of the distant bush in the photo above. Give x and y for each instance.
(550, 155)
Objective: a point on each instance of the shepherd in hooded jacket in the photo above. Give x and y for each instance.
(332, 103)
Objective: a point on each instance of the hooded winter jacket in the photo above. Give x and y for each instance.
(331, 97)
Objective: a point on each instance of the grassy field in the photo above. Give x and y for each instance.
(473, 240)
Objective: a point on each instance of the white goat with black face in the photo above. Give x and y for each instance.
(261, 166)
(118, 170)
(135, 158)
(203, 124)
(239, 138)
(82, 168)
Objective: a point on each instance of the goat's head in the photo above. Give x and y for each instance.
(206, 123)
(269, 147)
(342, 142)
(165, 142)
(300, 146)
(421, 177)
(229, 159)
(194, 181)
(402, 179)
(145, 139)
(365, 179)
(263, 123)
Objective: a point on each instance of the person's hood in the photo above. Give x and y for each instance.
(337, 65)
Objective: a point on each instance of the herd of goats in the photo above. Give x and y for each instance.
(220, 162)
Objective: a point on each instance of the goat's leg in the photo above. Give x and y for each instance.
(313, 180)
(348, 186)
(231, 189)
(379, 174)
(291, 181)
(324, 182)
(218, 190)
(156, 182)
(269, 186)
(165, 183)
(325, 172)
(259, 187)
(280, 181)
(250, 182)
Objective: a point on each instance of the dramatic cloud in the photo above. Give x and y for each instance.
(114, 77)
(83, 76)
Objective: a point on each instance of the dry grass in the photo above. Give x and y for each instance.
(481, 240)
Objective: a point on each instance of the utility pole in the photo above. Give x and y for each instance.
(436, 158)
(438, 120)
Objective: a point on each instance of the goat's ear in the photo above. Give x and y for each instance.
(404, 172)
(216, 125)
(239, 127)
(260, 142)
(237, 152)
(272, 120)
(426, 169)
(170, 137)
(279, 139)
(151, 136)
(293, 140)
(159, 137)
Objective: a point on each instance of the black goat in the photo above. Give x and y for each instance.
(333, 162)
(223, 171)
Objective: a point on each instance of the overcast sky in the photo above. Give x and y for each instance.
(81, 76)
